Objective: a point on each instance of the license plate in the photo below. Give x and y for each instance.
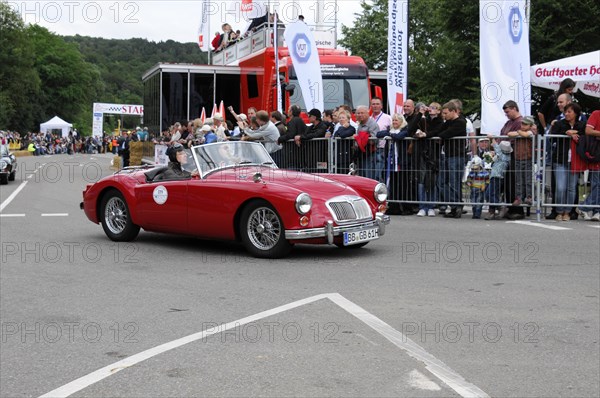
(355, 237)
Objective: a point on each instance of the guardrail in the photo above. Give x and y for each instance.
(424, 172)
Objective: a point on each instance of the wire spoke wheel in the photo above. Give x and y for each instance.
(116, 215)
(262, 231)
(264, 228)
(116, 218)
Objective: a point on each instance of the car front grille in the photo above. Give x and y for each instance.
(349, 208)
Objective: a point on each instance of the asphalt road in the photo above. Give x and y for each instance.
(509, 309)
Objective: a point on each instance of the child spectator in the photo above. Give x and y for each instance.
(523, 154)
(502, 153)
(477, 181)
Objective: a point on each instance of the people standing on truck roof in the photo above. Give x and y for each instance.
(225, 36)
(215, 41)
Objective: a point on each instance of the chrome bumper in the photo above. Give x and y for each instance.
(329, 231)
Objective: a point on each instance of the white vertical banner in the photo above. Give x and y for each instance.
(307, 65)
(504, 60)
(276, 50)
(397, 68)
(204, 37)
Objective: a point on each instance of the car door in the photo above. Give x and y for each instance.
(213, 203)
(162, 206)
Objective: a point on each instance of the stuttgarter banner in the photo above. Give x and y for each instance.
(504, 60)
(584, 69)
(397, 68)
(305, 58)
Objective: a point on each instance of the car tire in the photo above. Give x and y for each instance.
(11, 176)
(262, 231)
(116, 218)
(4, 179)
(357, 246)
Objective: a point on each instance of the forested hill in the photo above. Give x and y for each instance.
(43, 75)
(122, 63)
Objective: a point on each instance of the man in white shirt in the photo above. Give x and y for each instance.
(267, 132)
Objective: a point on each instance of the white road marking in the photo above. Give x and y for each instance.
(29, 176)
(434, 365)
(532, 224)
(13, 195)
(12, 215)
(594, 226)
(55, 214)
(418, 380)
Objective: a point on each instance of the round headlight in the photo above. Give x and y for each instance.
(3, 165)
(380, 193)
(303, 203)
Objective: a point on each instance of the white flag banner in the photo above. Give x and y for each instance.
(504, 60)
(307, 65)
(253, 8)
(397, 68)
(276, 46)
(204, 29)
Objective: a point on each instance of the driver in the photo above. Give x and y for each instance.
(177, 158)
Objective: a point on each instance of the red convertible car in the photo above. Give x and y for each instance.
(238, 193)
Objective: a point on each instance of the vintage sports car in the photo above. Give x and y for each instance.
(8, 165)
(240, 194)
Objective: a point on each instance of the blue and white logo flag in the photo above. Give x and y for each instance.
(397, 68)
(504, 60)
(305, 58)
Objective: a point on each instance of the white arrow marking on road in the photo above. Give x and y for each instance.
(434, 365)
(13, 195)
(553, 227)
(418, 380)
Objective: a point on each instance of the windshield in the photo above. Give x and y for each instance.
(210, 157)
(342, 84)
(336, 91)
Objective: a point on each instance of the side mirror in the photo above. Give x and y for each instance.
(257, 178)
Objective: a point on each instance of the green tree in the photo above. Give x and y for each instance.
(367, 36)
(19, 82)
(69, 83)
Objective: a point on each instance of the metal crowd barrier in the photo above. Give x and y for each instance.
(423, 172)
(564, 179)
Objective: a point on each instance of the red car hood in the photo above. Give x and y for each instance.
(289, 180)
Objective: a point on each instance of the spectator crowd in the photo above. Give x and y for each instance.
(430, 156)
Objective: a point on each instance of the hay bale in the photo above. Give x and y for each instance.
(136, 151)
(22, 153)
(116, 163)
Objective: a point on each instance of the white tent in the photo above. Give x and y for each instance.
(584, 69)
(56, 123)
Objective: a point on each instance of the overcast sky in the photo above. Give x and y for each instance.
(162, 20)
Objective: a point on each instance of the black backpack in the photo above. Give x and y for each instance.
(588, 148)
